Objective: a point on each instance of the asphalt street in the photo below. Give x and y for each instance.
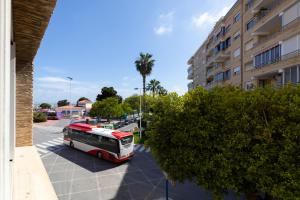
(76, 175)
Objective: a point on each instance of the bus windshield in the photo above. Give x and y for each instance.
(126, 140)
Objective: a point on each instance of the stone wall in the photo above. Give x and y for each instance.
(24, 99)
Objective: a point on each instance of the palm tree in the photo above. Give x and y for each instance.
(144, 65)
(153, 86)
(162, 91)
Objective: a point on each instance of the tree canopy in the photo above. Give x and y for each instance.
(107, 108)
(45, 106)
(63, 103)
(228, 139)
(107, 92)
(144, 65)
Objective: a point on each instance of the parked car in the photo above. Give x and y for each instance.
(52, 116)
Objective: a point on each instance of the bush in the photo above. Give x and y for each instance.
(230, 139)
(39, 117)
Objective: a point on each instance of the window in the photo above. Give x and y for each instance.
(268, 57)
(127, 140)
(219, 77)
(227, 29)
(250, 24)
(249, 4)
(227, 74)
(236, 70)
(294, 74)
(237, 35)
(237, 52)
(237, 17)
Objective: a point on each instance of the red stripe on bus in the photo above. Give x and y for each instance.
(81, 127)
(120, 135)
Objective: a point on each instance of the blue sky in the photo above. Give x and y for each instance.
(97, 43)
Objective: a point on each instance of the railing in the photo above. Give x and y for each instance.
(280, 58)
(263, 13)
(283, 28)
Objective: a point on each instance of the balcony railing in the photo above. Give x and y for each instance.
(273, 35)
(280, 58)
(265, 12)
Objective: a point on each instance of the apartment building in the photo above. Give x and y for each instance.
(22, 27)
(257, 43)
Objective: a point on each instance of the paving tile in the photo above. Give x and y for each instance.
(115, 193)
(133, 177)
(153, 173)
(106, 172)
(62, 188)
(110, 180)
(64, 197)
(82, 185)
(140, 190)
(61, 167)
(127, 168)
(88, 195)
(61, 176)
(82, 173)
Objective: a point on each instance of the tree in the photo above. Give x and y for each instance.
(81, 99)
(107, 92)
(107, 108)
(39, 117)
(162, 91)
(63, 103)
(45, 106)
(228, 139)
(133, 102)
(153, 86)
(144, 65)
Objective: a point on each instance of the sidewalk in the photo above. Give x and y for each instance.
(31, 181)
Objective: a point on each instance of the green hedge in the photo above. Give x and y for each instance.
(228, 139)
(39, 117)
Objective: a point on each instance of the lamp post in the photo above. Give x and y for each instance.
(70, 79)
(140, 113)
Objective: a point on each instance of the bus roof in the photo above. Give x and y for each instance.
(100, 131)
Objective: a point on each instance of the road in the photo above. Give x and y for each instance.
(76, 175)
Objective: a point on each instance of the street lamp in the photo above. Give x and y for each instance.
(70, 79)
(140, 113)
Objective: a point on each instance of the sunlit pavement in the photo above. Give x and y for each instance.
(77, 175)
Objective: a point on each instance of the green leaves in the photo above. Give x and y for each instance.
(230, 139)
(107, 108)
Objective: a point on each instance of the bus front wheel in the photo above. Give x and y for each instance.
(71, 144)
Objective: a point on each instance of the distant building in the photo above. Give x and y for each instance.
(86, 104)
(67, 111)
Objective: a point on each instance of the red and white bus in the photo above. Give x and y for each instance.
(108, 144)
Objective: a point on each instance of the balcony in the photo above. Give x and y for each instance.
(191, 86)
(278, 59)
(269, 10)
(190, 73)
(272, 35)
(222, 56)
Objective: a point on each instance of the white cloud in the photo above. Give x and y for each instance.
(209, 18)
(52, 79)
(165, 24)
(161, 30)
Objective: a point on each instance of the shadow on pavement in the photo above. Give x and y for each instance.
(76, 175)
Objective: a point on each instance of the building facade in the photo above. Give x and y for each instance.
(257, 43)
(22, 26)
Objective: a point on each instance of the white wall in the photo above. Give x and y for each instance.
(6, 104)
(290, 45)
(291, 14)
